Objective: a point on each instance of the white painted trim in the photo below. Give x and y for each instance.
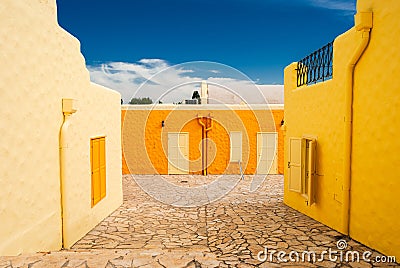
(201, 107)
(178, 132)
(267, 132)
(310, 137)
(98, 136)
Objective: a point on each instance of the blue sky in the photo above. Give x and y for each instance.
(257, 37)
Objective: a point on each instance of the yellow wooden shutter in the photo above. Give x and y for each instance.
(102, 159)
(296, 164)
(311, 171)
(98, 168)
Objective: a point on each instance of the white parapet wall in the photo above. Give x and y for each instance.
(40, 65)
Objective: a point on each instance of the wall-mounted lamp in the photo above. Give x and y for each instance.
(162, 123)
(282, 122)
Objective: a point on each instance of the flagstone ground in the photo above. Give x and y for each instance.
(228, 232)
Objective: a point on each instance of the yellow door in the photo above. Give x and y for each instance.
(178, 153)
(267, 153)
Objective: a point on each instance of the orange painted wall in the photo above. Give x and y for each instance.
(144, 140)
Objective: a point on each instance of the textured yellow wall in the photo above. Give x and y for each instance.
(375, 202)
(318, 110)
(142, 129)
(41, 64)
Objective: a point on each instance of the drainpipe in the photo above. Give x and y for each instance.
(204, 130)
(68, 108)
(363, 24)
(199, 119)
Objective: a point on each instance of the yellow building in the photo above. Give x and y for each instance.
(202, 139)
(341, 147)
(60, 168)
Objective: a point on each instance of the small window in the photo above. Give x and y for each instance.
(98, 168)
(236, 146)
(301, 167)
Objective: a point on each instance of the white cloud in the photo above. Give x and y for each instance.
(152, 61)
(343, 5)
(156, 79)
(126, 78)
(214, 71)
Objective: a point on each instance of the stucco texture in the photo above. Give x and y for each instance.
(41, 65)
(142, 128)
(318, 110)
(375, 163)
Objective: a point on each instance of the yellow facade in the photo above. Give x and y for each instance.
(142, 128)
(45, 160)
(353, 118)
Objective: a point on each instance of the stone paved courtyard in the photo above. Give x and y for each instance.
(229, 232)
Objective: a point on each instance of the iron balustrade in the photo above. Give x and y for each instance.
(316, 67)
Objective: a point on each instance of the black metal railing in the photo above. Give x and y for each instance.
(316, 67)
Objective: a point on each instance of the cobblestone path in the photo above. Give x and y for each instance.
(229, 232)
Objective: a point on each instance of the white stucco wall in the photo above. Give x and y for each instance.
(40, 65)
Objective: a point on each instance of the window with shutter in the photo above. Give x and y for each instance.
(295, 164)
(98, 168)
(302, 167)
